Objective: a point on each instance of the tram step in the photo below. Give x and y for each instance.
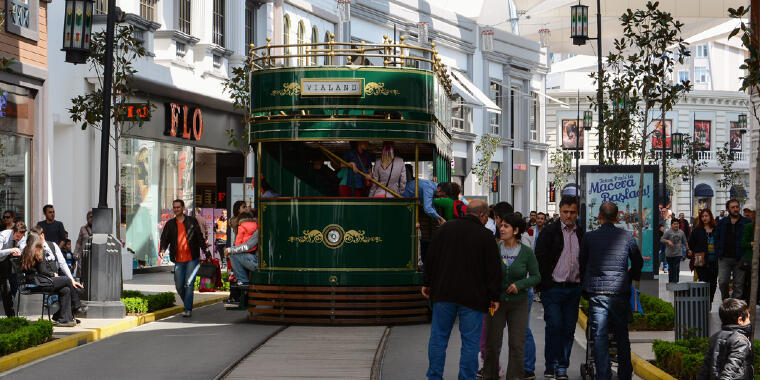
(336, 289)
(420, 311)
(345, 297)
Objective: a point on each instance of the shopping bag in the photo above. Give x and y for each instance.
(635, 302)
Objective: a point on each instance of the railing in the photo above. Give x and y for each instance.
(333, 53)
(741, 156)
(705, 155)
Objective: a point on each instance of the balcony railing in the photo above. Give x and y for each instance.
(741, 156)
(705, 155)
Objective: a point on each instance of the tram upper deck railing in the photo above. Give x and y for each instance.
(331, 53)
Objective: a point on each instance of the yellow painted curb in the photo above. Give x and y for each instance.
(641, 367)
(31, 354)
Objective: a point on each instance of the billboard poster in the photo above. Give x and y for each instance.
(736, 137)
(620, 184)
(657, 137)
(702, 134)
(570, 133)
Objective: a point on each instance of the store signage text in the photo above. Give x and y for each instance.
(135, 111)
(323, 87)
(178, 125)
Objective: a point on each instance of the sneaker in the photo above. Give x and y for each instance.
(80, 311)
(561, 374)
(187, 314)
(65, 324)
(529, 375)
(480, 374)
(549, 375)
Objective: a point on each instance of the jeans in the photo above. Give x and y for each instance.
(663, 261)
(470, 323)
(242, 263)
(675, 265)
(184, 281)
(530, 344)
(67, 296)
(709, 274)
(726, 267)
(514, 315)
(610, 312)
(561, 315)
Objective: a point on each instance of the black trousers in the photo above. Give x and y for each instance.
(6, 293)
(67, 296)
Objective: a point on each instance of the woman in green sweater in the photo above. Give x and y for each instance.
(519, 268)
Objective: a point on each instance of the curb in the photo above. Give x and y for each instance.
(641, 367)
(31, 354)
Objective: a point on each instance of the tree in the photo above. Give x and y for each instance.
(730, 177)
(750, 39)
(693, 167)
(87, 109)
(486, 148)
(646, 55)
(238, 85)
(562, 168)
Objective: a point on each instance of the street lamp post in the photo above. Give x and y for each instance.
(103, 270)
(579, 34)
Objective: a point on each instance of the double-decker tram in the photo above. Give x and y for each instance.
(352, 259)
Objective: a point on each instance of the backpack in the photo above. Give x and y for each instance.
(460, 209)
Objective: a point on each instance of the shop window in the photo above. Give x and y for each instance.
(153, 175)
(15, 171)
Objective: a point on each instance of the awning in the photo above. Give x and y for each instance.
(555, 100)
(570, 189)
(471, 94)
(703, 190)
(738, 192)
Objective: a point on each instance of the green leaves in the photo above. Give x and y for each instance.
(486, 148)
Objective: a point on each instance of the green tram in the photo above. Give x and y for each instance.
(334, 260)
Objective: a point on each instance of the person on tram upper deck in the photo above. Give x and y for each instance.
(353, 184)
(322, 176)
(428, 190)
(388, 170)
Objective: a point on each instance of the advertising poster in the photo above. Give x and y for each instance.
(736, 137)
(702, 134)
(620, 184)
(570, 133)
(657, 138)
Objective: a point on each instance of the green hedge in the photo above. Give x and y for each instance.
(683, 359)
(138, 303)
(17, 334)
(225, 282)
(658, 314)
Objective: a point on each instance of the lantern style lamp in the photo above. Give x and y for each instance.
(677, 144)
(344, 10)
(77, 28)
(588, 120)
(743, 123)
(486, 39)
(579, 24)
(422, 32)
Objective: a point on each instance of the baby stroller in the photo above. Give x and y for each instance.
(588, 369)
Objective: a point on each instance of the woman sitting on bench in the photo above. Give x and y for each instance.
(42, 273)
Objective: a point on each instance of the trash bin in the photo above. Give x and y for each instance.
(692, 309)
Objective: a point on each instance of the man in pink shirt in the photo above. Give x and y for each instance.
(557, 251)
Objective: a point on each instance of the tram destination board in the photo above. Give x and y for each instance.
(332, 87)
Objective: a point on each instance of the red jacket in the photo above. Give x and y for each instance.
(246, 229)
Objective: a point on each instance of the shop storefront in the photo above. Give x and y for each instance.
(182, 152)
(17, 125)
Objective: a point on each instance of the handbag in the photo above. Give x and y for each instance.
(699, 259)
(207, 269)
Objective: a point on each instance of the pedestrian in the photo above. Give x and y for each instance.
(664, 226)
(184, 238)
(748, 242)
(524, 238)
(722, 215)
(427, 191)
(728, 245)
(388, 170)
(729, 353)
(607, 278)
(519, 272)
(9, 247)
(65, 247)
(85, 232)
(352, 183)
(242, 254)
(674, 240)
(220, 232)
(538, 227)
(462, 278)
(683, 224)
(703, 255)
(9, 217)
(533, 216)
(557, 253)
(530, 343)
(54, 230)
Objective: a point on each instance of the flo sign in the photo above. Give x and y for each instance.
(183, 122)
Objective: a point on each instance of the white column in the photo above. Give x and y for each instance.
(201, 20)
(234, 31)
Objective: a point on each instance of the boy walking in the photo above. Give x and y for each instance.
(729, 355)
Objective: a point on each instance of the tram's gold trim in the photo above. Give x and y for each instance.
(351, 106)
(302, 269)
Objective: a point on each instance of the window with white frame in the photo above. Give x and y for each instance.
(702, 50)
(148, 9)
(461, 115)
(327, 60)
(183, 16)
(683, 76)
(218, 22)
(300, 41)
(495, 118)
(314, 40)
(700, 74)
(535, 114)
(286, 38)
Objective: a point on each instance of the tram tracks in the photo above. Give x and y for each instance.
(345, 352)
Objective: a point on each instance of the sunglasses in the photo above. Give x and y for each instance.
(6, 216)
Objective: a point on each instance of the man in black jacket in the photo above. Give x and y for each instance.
(462, 277)
(557, 251)
(184, 237)
(728, 245)
(607, 280)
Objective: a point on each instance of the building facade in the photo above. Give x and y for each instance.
(709, 114)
